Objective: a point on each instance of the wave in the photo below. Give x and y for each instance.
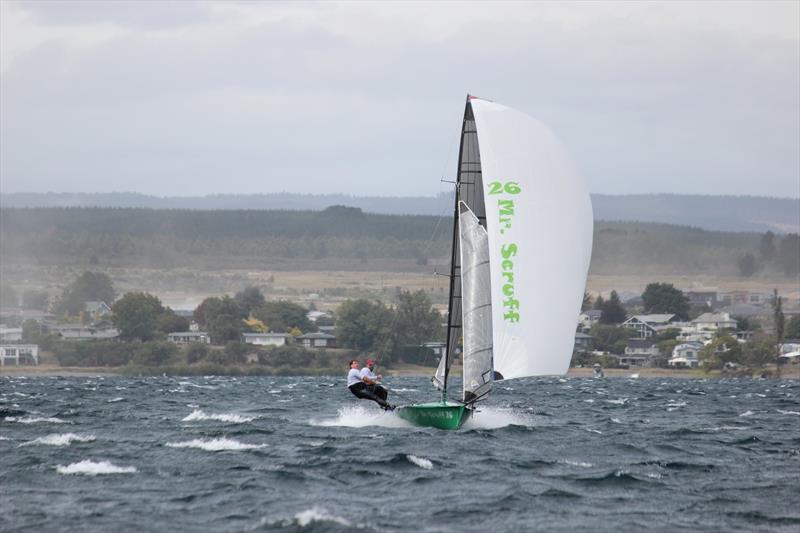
(36, 420)
(115, 400)
(420, 462)
(577, 463)
(60, 439)
(781, 411)
(747, 413)
(316, 518)
(190, 384)
(359, 416)
(92, 468)
(232, 418)
(497, 417)
(216, 445)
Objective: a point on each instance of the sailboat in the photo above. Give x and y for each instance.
(522, 241)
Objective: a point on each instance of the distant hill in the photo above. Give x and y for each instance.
(719, 213)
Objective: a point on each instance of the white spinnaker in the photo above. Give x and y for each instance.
(540, 240)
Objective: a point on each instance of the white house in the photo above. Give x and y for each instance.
(79, 332)
(183, 337)
(589, 318)
(267, 339)
(10, 334)
(97, 310)
(19, 352)
(649, 325)
(685, 355)
(714, 322)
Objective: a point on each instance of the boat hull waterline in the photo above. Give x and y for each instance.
(440, 415)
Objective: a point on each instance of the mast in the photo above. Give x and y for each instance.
(468, 189)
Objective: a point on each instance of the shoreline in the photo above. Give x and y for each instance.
(398, 371)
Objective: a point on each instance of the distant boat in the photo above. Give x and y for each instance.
(522, 241)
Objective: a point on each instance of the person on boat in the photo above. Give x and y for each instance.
(372, 380)
(360, 387)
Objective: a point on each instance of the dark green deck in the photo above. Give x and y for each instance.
(439, 415)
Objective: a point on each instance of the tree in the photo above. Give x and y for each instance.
(587, 301)
(747, 265)
(249, 299)
(136, 316)
(598, 303)
(721, 350)
(789, 254)
(610, 338)
(281, 316)
(224, 319)
(792, 330)
(664, 298)
(154, 353)
(195, 352)
(416, 321)
(766, 248)
(364, 325)
(89, 286)
(169, 322)
(758, 351)
(780, 322)
(613, 312)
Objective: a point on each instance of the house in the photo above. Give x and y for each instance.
(97, 310)
(714, 322)
(314, 315)
(685, 355)
(79, 332)
(589, 318)
(438, 348)
(583, 342)
(184, 337)
(747, 311)
(638, 352)
(10, 334)
(317, 340)
(267, 339)
(698, 298)
(27, 353)
(649, 325)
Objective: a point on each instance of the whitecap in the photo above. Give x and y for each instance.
(35, 420)
(216, 445)
(781, 411)
(190, 384)
(115, 400)
(359, 416)
(746, 413)
(619, 401)
(92, 468)
(316, 514)
(616, 420)
(589, 401)
(581, 464)
(495, 418)
(420, 462)
(590, 430)
(232, 418)
(275, 391)
(60, 439)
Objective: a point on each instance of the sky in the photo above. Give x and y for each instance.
(366, 98)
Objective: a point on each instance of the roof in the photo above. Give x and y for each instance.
(593, 313)
(317, 335)
(653, 319)
(713, 317)
(268, 335)
(580, 336)
(198, 333)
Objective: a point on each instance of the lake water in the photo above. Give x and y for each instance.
(302, 454)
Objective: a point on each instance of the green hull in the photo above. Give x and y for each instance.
(439, 415)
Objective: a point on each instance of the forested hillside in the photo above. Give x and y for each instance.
(319, 239)
(721, 213)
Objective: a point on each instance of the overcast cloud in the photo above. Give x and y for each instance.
(366, 98)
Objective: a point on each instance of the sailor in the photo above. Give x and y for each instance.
(372, 380)
(360, 386)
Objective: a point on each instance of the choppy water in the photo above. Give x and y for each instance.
(302, 454)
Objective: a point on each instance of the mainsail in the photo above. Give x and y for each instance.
(517, 185)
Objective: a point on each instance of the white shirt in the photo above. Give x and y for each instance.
(367, 373)
(353, 377)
